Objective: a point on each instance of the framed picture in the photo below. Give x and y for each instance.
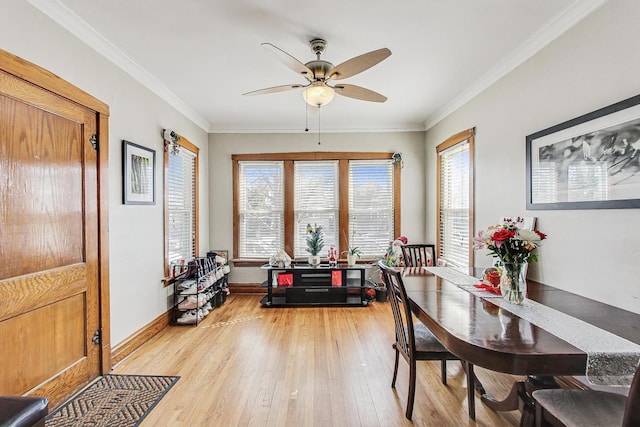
(590, 162)
(138, 174)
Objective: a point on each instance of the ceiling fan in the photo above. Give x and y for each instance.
(319, 73)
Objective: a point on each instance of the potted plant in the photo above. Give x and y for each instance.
(353, 253)
(315, 243)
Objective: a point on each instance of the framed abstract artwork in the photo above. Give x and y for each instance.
(138, 174)
(590, 162)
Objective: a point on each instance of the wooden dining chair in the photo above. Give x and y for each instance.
(560, 407)
(418, 255)
(414, 341)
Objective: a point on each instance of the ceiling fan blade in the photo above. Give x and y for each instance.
(289, 61)
(273, 89)
(358, 64)
(357, 92)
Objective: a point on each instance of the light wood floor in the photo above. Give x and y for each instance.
(250, 366)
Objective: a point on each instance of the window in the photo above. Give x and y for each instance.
(371, 205)
(455, 178)
(181, 202)
(315, 202)
(260, 208)
(354, 196)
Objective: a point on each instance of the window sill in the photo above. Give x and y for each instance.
(245, 262)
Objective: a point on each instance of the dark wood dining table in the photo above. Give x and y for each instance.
(479, 332)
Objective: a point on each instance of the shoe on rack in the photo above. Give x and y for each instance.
(191, 290)
(188, 318)
(185, 284)
(189, 303)
(226, 269)
(192, 271)
(211, 279)
(201, 300)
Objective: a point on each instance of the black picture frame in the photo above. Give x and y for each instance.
(138, 174)
(589, 162)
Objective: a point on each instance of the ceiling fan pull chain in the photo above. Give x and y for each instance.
(306, 117)
(318, 125)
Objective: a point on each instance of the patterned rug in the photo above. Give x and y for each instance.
(113, 400)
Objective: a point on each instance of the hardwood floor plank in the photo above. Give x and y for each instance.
(245, 365)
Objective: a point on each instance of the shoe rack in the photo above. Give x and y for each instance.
(200, 286)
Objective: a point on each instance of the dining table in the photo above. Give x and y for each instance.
(479, 327)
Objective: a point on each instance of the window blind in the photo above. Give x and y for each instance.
(454, 204)
(261, 208)
(371, 202)
(181, 203)
(315, 202)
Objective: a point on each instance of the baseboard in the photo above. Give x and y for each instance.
(247, 288)
(131, 344)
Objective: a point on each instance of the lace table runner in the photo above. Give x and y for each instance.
(461, 280)
(611, 360)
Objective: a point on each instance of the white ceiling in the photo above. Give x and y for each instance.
(201, 55)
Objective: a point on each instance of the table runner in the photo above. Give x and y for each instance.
(462, 280)
(611, 360)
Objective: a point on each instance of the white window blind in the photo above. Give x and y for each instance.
(315, 202)
(371, 202)
(181, 203)
(261, 208)
(454, 204)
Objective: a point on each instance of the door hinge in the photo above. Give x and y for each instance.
(97, 337)
(94, 141)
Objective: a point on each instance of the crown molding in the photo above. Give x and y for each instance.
(315, 131)
(554, 28)
(71, 22)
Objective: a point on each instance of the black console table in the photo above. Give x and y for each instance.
(303, 284)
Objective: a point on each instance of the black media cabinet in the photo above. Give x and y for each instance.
(304, 285)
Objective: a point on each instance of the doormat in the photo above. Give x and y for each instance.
(113, 400)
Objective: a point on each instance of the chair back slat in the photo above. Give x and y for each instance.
(405, 338)
(417, 255)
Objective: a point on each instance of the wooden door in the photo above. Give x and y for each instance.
(49, 287)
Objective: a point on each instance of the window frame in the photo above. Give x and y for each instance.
(343, 159)
(187, 145)
(458, 138)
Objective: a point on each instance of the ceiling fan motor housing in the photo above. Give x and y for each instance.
(320, 69)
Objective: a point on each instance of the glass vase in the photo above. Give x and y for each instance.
(513, 284)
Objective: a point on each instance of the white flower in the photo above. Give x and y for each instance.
(528, 236)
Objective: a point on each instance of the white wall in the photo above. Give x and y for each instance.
(136, 232)
(594, 253)
(222, 146)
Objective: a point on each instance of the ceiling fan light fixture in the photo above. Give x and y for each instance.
(318, 94)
